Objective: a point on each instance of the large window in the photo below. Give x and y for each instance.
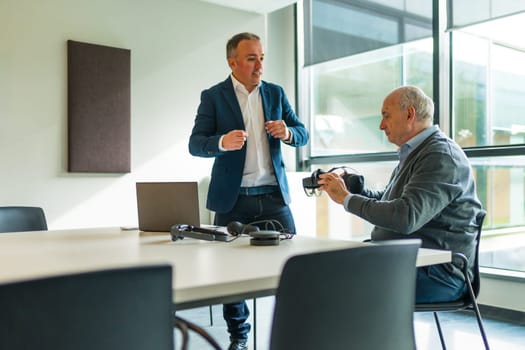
(356, 51)
(488, 114)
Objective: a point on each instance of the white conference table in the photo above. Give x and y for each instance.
(205, 272)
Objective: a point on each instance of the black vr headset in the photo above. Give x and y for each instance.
(353, 182)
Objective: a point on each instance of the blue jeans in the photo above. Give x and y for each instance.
(434, 283)
(249, 209)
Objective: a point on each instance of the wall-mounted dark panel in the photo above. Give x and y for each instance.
(98, 108)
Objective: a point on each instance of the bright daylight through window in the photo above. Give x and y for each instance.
(355, 52)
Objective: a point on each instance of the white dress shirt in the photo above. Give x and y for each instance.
(258, 168)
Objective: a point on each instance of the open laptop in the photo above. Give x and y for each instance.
(163, 204)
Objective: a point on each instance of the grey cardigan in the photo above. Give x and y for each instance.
(432, 196)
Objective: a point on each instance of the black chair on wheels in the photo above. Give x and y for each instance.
(468, 301)
(126, 308)
(324, 299)
(17, 219)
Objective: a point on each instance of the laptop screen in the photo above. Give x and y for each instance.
(161, 205)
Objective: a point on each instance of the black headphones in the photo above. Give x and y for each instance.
(235, 228)
(258, 237)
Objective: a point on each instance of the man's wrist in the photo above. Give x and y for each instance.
(220, 144)
(288, 138)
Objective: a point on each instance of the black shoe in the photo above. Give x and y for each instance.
(238, 344)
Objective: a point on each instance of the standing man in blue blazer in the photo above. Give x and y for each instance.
(242, 122)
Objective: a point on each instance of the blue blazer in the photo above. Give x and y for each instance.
(218, 113)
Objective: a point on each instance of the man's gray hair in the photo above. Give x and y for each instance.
(231, 45)
(414, 96)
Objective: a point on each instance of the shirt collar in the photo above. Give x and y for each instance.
(415, 141)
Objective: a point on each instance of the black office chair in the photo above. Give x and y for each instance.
(125, 308)
(467, 302)
(17, 219)
(356, 298)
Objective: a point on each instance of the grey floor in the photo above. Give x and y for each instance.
(460, 328)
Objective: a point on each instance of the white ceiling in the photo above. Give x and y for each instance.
(259, 6)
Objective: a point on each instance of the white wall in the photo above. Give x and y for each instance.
(177, 50)
(280, 62)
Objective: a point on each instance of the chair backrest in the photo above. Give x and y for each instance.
(357, 298)
(17, 219)
(126, 308)
(476, 278)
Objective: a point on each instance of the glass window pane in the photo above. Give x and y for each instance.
(421, 8)
(347, 94)
(508, 89)
(489, 84)
(353, 22)
(501, 187)
(397, 4)
(336, 29)
(470, 60)
(414, 31)
(466, 12)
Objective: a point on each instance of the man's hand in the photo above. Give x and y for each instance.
(334, 185)
(234, 140)
(278, 129)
